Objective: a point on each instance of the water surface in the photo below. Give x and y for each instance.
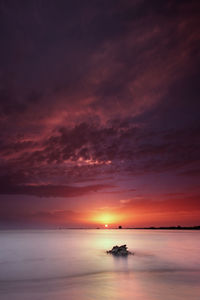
(73, 264)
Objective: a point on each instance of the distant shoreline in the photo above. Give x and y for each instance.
(111, 228)
(168, 228)
(143, 228)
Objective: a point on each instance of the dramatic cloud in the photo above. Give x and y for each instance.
(48, 190)
(99, 96)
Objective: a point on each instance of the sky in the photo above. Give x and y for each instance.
(99, 113)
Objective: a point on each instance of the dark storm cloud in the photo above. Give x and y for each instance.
(87, 151)
(90, 90)
(191, 172)
(121, 143)
(122, 55)
(11, 186)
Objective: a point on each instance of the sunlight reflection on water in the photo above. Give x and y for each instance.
(72, 264)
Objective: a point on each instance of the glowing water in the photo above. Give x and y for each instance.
(73, 264)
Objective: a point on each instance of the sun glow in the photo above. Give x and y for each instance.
(106, 219)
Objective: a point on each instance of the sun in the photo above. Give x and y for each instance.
(106, 225)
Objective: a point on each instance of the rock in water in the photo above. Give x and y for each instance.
(119, 251)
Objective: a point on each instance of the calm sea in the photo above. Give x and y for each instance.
(73, 264)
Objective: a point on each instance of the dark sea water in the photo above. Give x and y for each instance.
(73, 264)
